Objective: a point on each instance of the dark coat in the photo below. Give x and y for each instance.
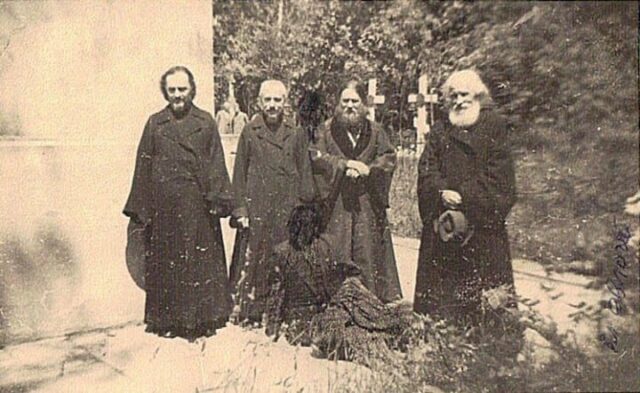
(477, 164)
(356, 208)
(180, 189)
(267, 180)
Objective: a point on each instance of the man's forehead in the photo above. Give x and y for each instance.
(273, 89)
(272, 92)
(350, 94)
(178, 78)
(460, 89)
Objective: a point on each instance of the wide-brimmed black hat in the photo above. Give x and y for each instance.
(136, 252)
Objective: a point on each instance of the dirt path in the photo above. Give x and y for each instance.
(125, 359)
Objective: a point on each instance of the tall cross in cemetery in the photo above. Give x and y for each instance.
(231, 99)
(422, 122)
(373, 99)
(232, 93)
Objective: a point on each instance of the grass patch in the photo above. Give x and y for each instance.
(440, 357)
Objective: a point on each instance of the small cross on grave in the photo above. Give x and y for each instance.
(373, 99)
(423, 121)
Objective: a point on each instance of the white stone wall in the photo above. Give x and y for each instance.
(84, 75)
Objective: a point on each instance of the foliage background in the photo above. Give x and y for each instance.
(564, 74)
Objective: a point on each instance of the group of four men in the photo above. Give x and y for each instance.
(181, 188)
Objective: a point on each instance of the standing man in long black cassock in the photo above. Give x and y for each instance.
(268, 179)
(353, 162)
(180, 189)
(465, 168)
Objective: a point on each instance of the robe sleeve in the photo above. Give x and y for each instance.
(306, 186)
(220, 194)
(240, 169)
(430, 178)
(381, 169)
(488, 197)
(328, 169)
(139, 206)
(385, 160)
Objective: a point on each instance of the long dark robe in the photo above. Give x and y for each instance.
(356, 208)
(267, 180)
(180, 189)
(477, 164)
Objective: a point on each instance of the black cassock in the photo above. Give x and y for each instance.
(356, 208)
(180, 189)
(269, 181)
(477, 164)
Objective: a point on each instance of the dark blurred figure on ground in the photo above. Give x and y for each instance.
(268, 180)
(466, 188)
(317, 300)
(310, 113)
(180, 190)
(353, 162)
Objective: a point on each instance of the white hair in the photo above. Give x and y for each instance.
(466, 80)
(272, 84)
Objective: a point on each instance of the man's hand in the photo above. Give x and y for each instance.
(450, 198)
(243, 222)
(359, 166)
(352, 173)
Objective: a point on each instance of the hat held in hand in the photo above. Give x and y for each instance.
(452, 226)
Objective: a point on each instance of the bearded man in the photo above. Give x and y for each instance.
(268, 179)
(180, 190)
(466, 188)
(353, 162)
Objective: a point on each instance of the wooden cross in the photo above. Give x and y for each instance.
(423, 121)
(373, 99)
(231, 99)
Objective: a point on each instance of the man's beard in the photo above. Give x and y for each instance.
(465, 117)
(273, 117)
(349, 117)
(180, 107)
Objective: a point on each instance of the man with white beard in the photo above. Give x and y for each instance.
(466, 188)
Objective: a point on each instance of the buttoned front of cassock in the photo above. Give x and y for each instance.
(476, 163)
(179, 190)
(268, 182)
(356, 208)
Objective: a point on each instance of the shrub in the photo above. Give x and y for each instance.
(441, 356)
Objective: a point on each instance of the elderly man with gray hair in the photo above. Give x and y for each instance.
(270, 168)
(466, 188)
